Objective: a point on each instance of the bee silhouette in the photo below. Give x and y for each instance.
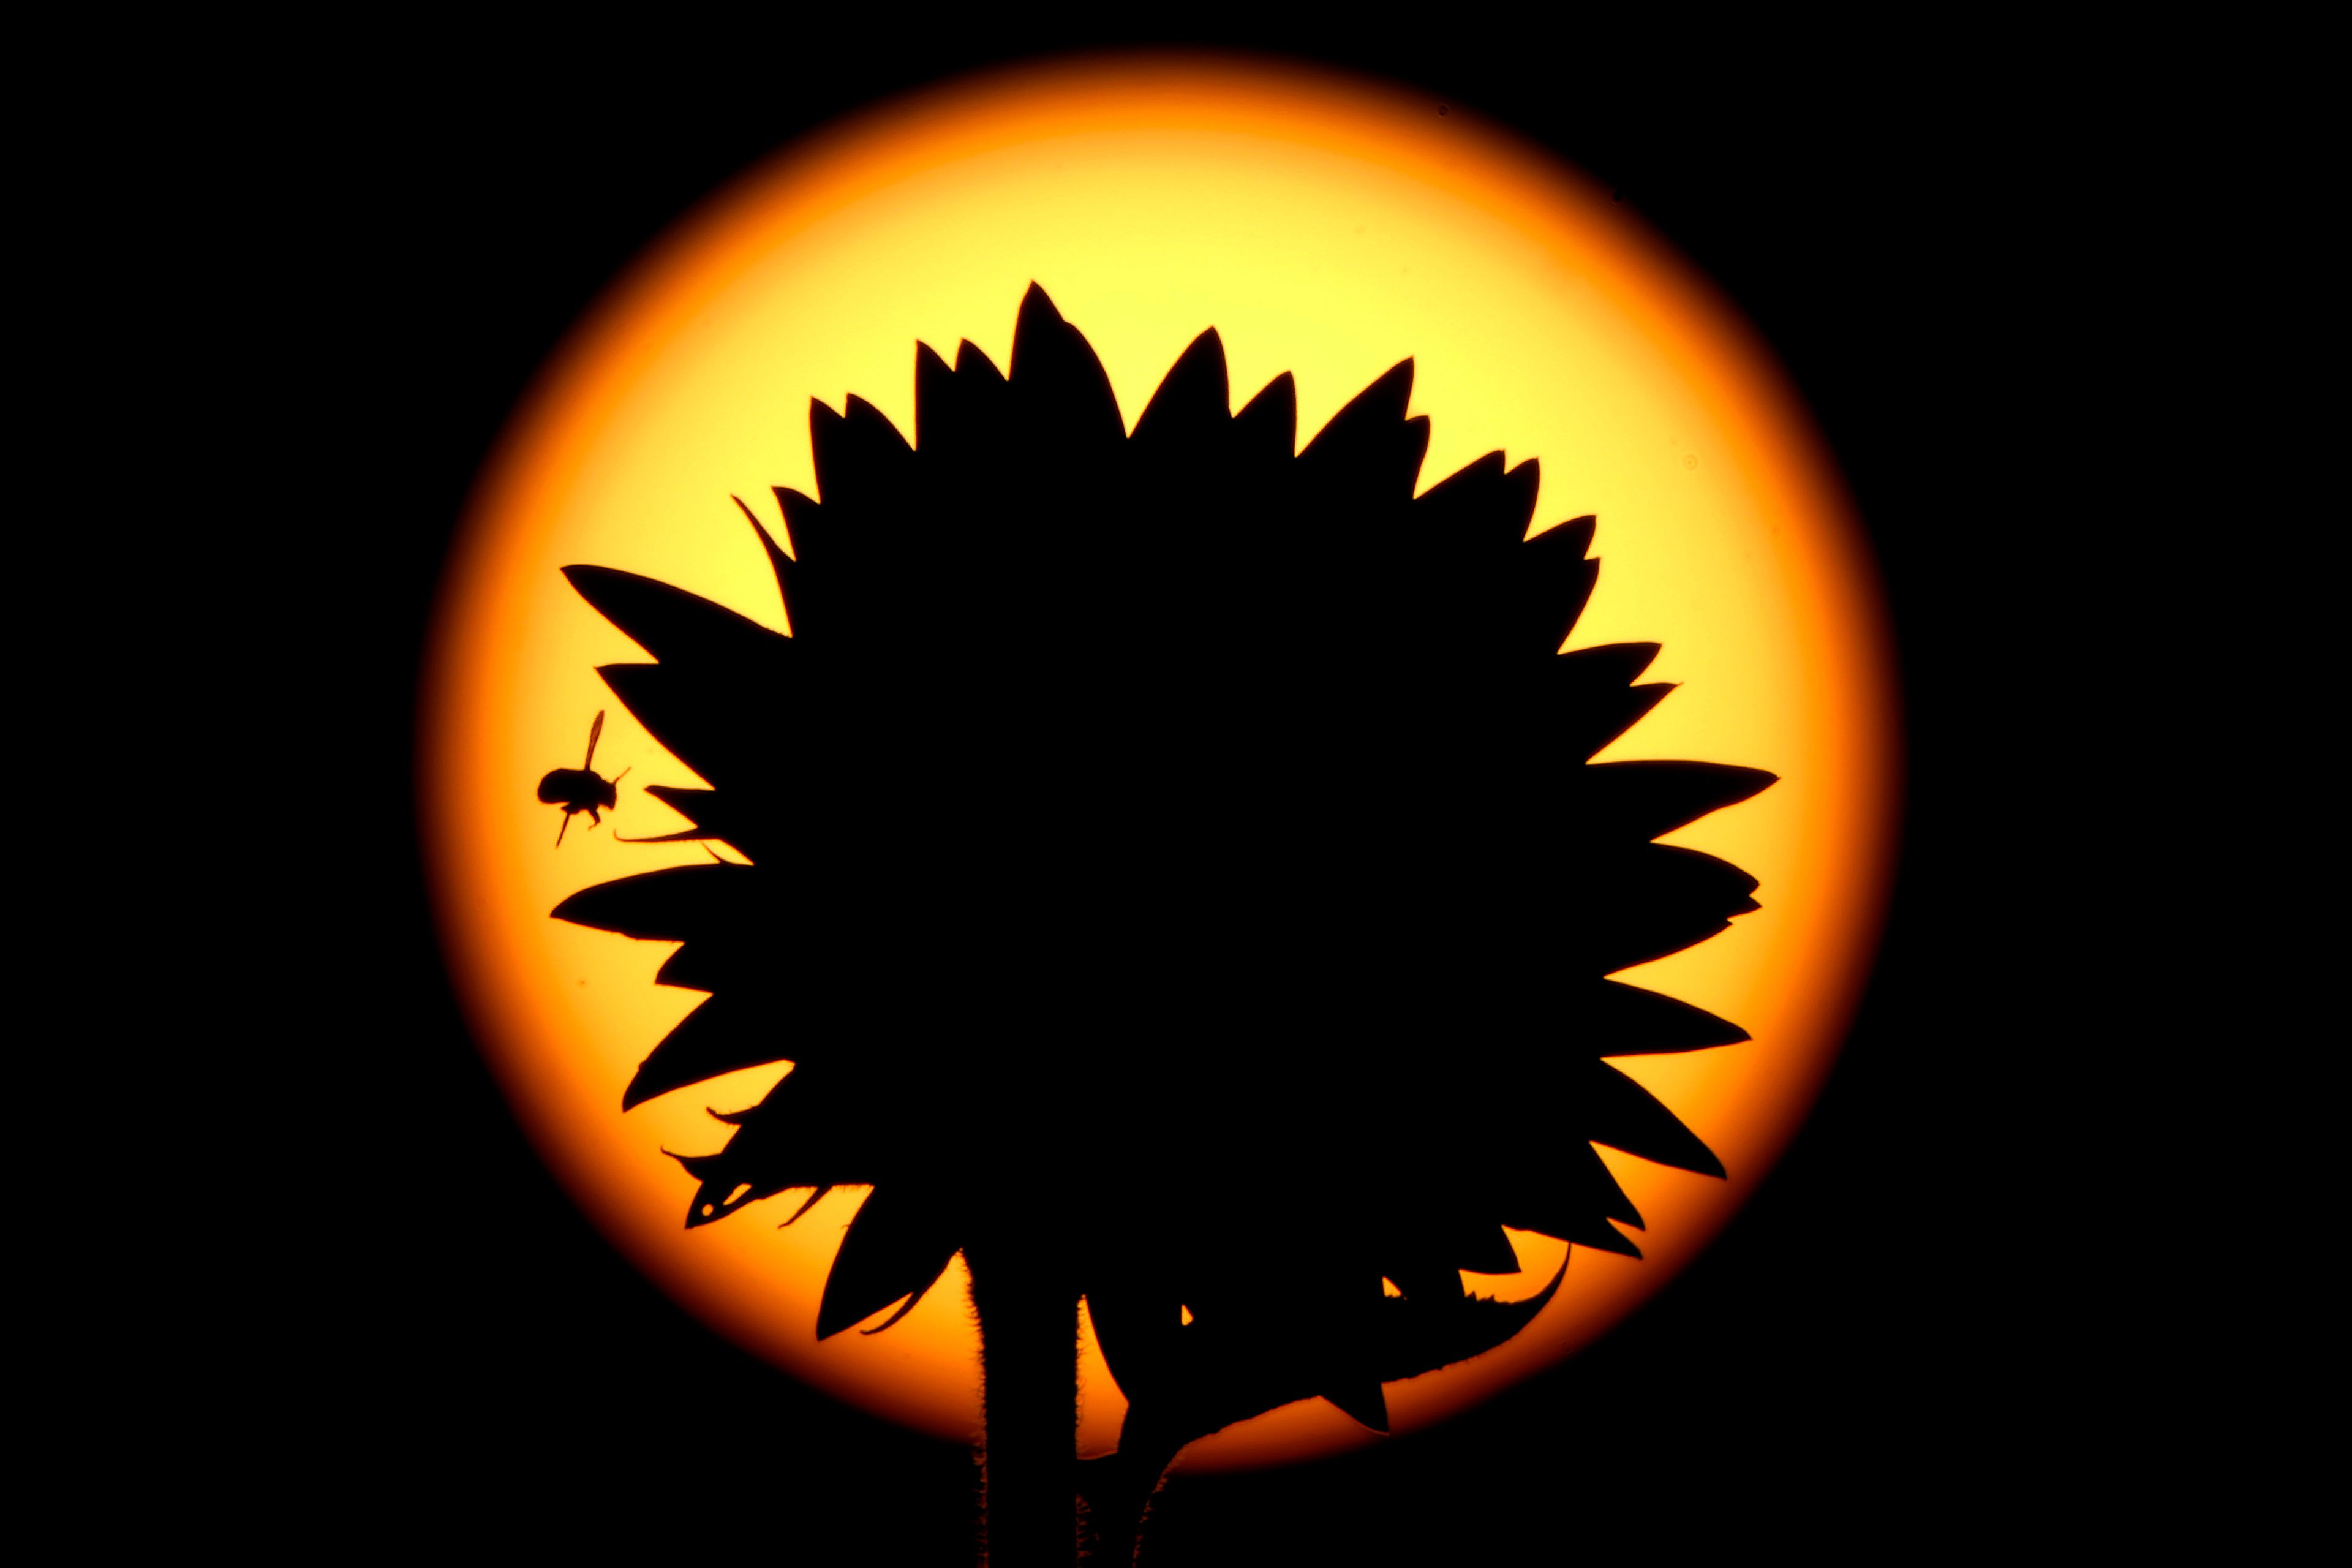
(581, 788)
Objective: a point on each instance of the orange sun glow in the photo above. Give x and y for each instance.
(1326, 226)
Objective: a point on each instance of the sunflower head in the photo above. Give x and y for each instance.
(1210, 820)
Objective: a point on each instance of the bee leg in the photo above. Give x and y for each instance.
(559, 832)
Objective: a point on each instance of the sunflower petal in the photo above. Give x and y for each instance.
(678, 903)
(805, 1133)
(1608, 718)
(859, 456)
(1057, 375)
(1624, 1115)
(935, 390)
(1371, 452)
(1643, 800)
(1584, 1229)
(714, 1038)
(707, 965)
(972, 361)
(779, 564)
(1193, 403)
(702, 724)
(1555, 584)
(1480, 506)
(699, 806)
(1268, 424)
(1644, 904)
(702, 807)
(1371, 412)
(903, 1239)
(802, 518)
(1569, 1194)
(960, 437)
(1594, 669)
(1598, 1186)
(670, 623)
(722, 1186)
(1471, 489)
(1625, 1020)
(725, 820)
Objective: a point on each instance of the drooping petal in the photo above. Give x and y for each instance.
(904, 1236)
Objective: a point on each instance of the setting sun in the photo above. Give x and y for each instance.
(1326, 229)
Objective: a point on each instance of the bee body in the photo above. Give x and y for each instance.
(577, 789)
(582, 788)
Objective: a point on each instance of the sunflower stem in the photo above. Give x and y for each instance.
(1029, 1409)
(1116, 1489)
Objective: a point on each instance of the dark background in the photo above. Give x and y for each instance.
(1911, 1335)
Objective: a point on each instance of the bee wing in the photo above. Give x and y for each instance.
(594, 730)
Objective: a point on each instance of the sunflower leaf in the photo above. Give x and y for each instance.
(1362, 1399)
(1415, 1339)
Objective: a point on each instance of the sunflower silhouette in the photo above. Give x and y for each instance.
(1176, 873)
